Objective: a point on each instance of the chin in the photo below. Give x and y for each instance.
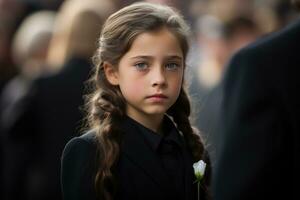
(156, 111)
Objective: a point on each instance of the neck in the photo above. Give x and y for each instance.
(152, 122)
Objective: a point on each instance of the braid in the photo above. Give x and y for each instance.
(180, 112)
(107, 108)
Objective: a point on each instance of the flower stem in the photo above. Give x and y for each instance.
(198, 188)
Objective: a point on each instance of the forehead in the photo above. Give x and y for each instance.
(159, 42)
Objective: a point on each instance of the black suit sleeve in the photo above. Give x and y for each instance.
(251, 158)
(77, 170)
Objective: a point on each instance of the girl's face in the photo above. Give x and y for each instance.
(150, 74)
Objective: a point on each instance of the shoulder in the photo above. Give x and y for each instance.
(79, 166)
(80, 152)
(265, 60)
(83, 144)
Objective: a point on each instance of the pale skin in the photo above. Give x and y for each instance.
(150, 76)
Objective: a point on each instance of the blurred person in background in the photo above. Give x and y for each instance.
(31, 41)
(221, 27)
(29, 51)
(12, 14)
(218, 40)
(259, 134)
(29, 48)
(239, 32)
(50, 116)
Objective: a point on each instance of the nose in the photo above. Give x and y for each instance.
(158, 77)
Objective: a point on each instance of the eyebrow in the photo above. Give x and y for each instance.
(151, 57)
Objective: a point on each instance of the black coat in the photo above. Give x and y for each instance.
(139, 173)
(260, 134)
(33, 144)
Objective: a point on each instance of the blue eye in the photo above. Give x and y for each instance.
(172, 66)
(141, 66)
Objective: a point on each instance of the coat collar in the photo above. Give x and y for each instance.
(147, 161)
(144, 157)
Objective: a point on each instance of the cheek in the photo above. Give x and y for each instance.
(176, 84)
(132, 89)
(177, 89)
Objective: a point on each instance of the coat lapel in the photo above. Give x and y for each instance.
(136, 149)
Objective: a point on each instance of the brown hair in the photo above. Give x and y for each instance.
(107, 105)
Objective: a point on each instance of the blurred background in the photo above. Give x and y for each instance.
(46, 48)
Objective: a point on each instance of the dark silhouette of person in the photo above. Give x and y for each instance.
(260, 129)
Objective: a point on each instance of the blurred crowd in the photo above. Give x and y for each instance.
(46, 49)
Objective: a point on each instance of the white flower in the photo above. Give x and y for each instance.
(199, 169)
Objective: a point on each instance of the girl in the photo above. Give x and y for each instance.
(141, 144)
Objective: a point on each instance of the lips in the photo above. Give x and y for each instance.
(159, 96)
